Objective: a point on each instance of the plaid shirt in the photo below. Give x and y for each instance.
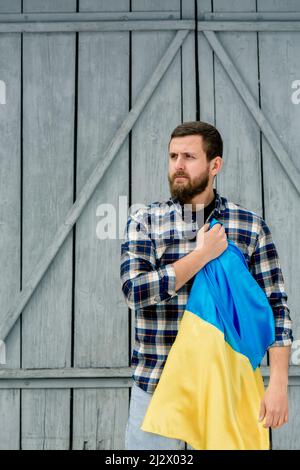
(155, 237)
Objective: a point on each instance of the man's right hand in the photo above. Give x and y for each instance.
(211, 242)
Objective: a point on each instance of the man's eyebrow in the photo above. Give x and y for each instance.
(186, 153)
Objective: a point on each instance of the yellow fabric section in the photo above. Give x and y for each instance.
(208, 394)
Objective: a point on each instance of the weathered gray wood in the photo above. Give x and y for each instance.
(65, 385)
(48, 126)
(206, 72)
(45, 420)
(100, 419)
(67, 372)
(87, 16)
(94, 372)
(282, 156)
(90, 378)
(83, 197)
(188, 66)
(10, 7)
(90, 26)
(147, 48)
(10, 207)
(279, 57)
(101, 315)
(253, 16)
(144, 25)
(246, 26)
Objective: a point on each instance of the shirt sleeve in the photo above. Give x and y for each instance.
(142, 283)
(266, 269)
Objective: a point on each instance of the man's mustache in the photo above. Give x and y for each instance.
(175, 176)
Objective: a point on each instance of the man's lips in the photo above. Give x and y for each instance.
(180, 177)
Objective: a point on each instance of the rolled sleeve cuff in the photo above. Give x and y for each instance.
(167, 282)
(284, 338)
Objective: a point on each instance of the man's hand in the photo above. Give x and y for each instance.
(274, 406)
(211, 242)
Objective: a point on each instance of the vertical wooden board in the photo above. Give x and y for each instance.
(45, 422)
(101, 314)
(10, 6)
(240, 177)
(53, 6)
(278, 5)
(188, 66)
(279, 65)
(205, 70)
(48, 127)
(151, 133)
(10, 61)
(100, 418)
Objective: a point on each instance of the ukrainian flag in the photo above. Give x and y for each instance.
(210, 389)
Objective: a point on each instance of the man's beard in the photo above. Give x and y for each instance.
(184, 192)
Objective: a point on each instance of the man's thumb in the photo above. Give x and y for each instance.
(262, 411)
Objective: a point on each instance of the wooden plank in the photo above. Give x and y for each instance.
(278, 6)
(147, 48)
(48, 136)
(38, 272)
(279, 66)
(251, 16)
(245, 26)
(64, 385)
(45, 423)
(206, 71)
(87, 16)
(90, 26)
(70, 26)
(279, 151)
(94, 372)
(100, 419)
(67, 372)
(188, 66)
(101, 315)
(10, 209)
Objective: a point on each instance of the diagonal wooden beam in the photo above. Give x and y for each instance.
(11, 316)
(280, 153)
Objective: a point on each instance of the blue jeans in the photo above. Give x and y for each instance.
(135, 438)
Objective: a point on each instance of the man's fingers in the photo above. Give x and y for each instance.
(269, 420)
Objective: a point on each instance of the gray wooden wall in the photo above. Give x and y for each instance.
(69, 89)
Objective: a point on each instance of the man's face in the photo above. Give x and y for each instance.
(188, 160)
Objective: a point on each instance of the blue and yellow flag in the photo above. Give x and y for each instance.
(210, 389)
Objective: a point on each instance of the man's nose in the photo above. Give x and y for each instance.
(179, 164)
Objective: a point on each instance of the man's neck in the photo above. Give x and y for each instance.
(205, 198)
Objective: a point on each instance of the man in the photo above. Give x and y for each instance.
(159, 261)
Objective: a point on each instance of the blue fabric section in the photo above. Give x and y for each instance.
(225, 294)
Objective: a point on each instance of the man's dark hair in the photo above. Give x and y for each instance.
(212, 140)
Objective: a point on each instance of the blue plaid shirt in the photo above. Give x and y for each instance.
(156, 236)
